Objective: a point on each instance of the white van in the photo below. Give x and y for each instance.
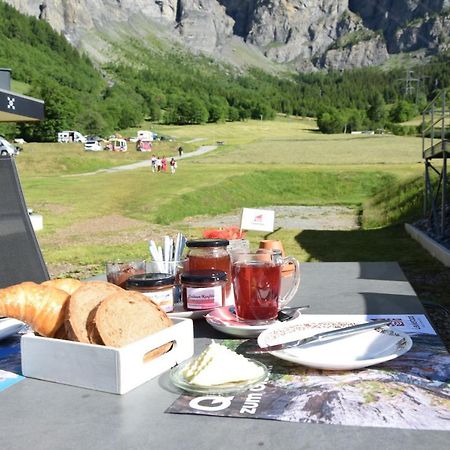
(7, 148)
(70, 136)
(117, 145)
(143, 135)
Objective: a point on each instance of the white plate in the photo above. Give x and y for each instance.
(8, 327)
(346, 353)
(179, 311)
(177, 378)
(224, 320)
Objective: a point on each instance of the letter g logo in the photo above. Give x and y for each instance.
(210, 403)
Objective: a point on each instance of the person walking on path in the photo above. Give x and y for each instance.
(173, 166)
(164, 164)
(180, 151)
(153, 162)
(158, 164)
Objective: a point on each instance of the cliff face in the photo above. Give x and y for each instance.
(70, 15)
(203, 24)
(407, 25)
(306, 34)
(341, 33)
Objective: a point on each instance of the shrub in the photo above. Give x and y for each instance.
(402, 111)
(331, 122)
(402, 130)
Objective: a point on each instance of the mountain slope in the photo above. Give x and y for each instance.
(304, 34)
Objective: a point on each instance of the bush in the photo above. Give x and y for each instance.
(402, 130)
(331, 122)
(403, 111)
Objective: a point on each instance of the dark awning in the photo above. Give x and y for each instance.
(20, 108)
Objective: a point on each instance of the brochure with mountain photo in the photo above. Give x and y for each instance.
(409, 392)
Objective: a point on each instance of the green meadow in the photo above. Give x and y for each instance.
(91, 217)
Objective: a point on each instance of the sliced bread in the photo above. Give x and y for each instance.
(81, 303)
(125, 317)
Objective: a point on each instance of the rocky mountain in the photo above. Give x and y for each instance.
(304, 34)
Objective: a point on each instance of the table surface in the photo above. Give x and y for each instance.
(41, 415)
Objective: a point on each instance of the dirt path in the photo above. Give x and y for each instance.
(200, 151)
(292, 217)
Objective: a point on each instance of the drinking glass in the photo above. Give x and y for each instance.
(118, 272)
(257, 284)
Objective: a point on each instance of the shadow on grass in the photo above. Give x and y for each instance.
(384, 244)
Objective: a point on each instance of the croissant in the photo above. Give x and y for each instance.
(41, 307)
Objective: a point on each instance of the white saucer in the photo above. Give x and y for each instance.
(224, 320)
(352, 352)
(8, 327)
(179, 311)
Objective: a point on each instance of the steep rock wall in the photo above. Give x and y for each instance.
(302, 32)
(306, 34)
(407, 25)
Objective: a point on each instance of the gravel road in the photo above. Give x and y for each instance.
(147, 163)
(292, 217)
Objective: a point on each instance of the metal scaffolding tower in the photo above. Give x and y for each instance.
(435, 152)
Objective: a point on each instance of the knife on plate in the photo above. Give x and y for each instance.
(326, 335)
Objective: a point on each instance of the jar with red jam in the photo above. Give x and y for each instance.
(210, 254)
(203, 289)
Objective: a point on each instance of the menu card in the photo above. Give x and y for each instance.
(409, 392)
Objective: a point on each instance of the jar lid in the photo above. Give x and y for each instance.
(207, 243)
(150, 280)
(203, 276)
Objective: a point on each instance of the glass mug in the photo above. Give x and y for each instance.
(257, 284)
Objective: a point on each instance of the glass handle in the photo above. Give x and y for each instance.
(294, 280)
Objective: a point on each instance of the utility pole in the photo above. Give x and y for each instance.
(412, 85)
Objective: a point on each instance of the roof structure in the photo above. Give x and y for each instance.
(16, 107)
(20, 108)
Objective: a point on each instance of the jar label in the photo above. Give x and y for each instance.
(163, 298)
(204, 298)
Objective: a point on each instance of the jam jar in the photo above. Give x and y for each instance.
(158, 287)
(203, 289)
(210, 254)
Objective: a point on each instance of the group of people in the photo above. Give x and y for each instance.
(160, 164)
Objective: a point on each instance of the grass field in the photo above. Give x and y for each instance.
(90, 219)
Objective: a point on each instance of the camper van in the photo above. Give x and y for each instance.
(117, 145)
(70, 136)
(143, 135)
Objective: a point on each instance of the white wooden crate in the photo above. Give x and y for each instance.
(108, 369)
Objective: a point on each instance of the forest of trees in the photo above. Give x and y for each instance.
(179, 88)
